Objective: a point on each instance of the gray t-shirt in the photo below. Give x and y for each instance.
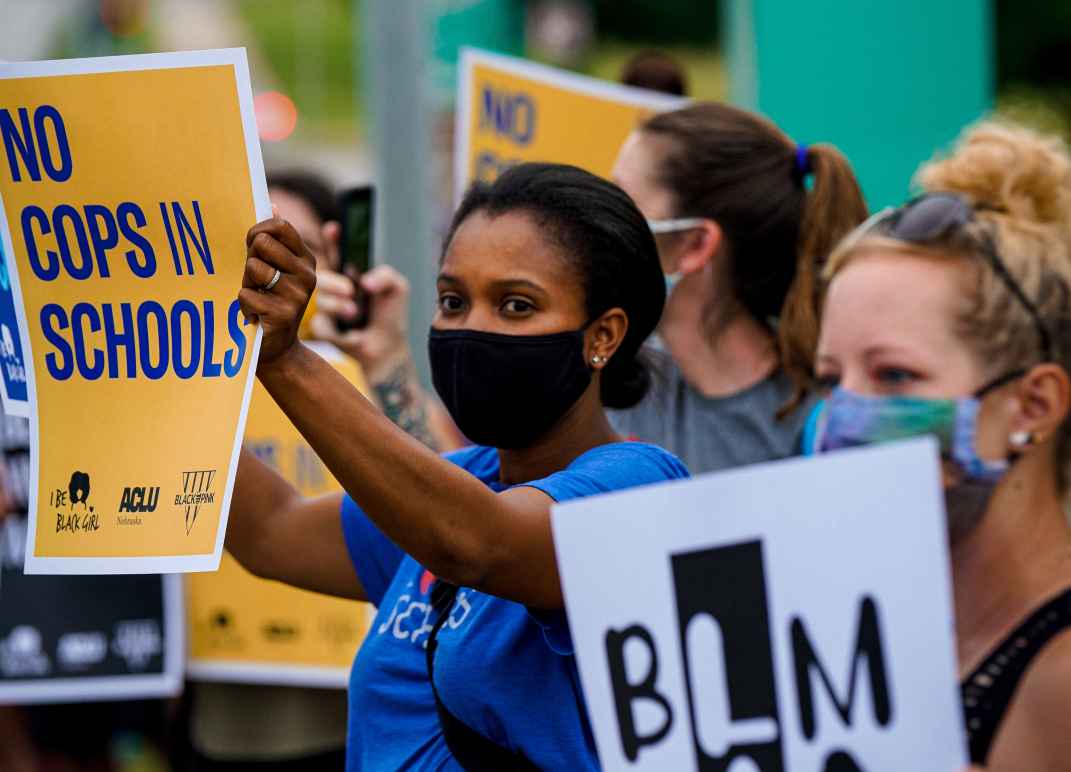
(709, 434)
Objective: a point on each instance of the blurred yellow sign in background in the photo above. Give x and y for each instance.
(510, 111)
(254, 630)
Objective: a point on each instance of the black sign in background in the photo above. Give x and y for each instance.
(126, 613)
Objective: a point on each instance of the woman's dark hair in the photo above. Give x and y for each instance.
(310, 188)
(599, 230)
(743, 172)
(656, 71)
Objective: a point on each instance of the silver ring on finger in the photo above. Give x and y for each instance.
(274, 280)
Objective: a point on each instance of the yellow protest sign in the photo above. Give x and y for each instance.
(242, 628)
(252, 630)
(510, 111)
(127, 187)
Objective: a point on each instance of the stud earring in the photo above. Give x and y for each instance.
(1020, 439)
(597, 360)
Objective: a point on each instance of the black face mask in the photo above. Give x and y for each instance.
(506, 391)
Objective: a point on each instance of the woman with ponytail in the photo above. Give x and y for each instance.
(743, 218)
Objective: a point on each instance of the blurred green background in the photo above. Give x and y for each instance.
(310, 50)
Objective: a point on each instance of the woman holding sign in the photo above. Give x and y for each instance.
(952, 316)
(549, 283)
(742, 217)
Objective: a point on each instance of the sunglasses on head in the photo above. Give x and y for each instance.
(936, 216)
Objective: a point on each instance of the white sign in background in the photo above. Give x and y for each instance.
(790, 616)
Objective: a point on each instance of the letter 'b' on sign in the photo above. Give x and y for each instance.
(630, 690)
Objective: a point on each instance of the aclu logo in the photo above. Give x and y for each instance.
(139, 499)
(280, 632)
(80, 651)
(196, 492)
(727, 652)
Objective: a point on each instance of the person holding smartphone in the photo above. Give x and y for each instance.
(362, 310)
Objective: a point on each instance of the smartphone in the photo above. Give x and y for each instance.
(355, 247)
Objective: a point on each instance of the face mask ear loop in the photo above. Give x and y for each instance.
(1003, 380)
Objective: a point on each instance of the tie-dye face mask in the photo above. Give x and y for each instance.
(851, 420)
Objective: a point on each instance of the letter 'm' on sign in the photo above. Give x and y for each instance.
(728, 658)
(627, 690)
(867, 645)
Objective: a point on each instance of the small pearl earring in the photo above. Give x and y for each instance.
(597, 360)
(1020, 439)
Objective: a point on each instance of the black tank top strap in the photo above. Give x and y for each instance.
(988, 691)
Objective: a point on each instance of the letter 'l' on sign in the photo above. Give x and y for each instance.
(727, 656)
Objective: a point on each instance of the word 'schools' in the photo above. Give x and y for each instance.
(127, 185)
(762, 620)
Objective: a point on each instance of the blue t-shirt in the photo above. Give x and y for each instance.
(506, 672)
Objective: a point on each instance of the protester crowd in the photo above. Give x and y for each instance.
(723, 301)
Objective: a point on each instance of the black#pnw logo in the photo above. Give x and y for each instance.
(726, 642)
(196, 492)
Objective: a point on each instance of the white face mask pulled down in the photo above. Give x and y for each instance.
(677, 225)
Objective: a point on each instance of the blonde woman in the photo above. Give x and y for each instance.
(952, 316)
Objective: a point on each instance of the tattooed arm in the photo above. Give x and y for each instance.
(404, 402)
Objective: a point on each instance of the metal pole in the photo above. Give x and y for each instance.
(396, 37)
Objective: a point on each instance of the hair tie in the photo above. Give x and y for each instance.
(803, 163)
(802, 167)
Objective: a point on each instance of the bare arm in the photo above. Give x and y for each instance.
(277, 534)
(436, 512)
